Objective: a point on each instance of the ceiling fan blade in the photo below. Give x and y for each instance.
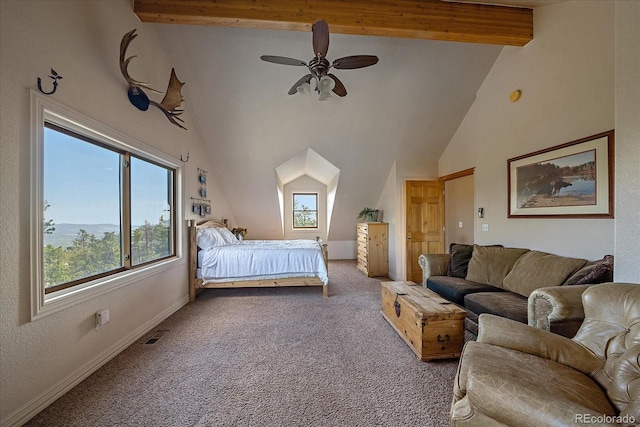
(320, 31)
(283, 60)
(356, 61)
(294, 88)
(339, 88)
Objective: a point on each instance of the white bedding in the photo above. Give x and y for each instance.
(262, 259)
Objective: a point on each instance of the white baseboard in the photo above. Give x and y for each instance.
(39, 403)
(342, 249)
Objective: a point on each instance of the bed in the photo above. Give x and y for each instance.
(218, 260)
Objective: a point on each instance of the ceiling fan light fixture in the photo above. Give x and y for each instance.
(304, 89)
(326, 84)
(319, 66)
(324, 96)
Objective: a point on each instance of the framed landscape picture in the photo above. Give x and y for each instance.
(572, 180)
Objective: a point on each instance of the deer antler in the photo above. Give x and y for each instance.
(172, 98)
(124, 63)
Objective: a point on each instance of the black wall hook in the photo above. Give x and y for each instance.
(55, 76)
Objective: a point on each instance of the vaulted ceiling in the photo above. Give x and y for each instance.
(403, 110)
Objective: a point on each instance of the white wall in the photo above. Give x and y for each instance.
(458, 211)
(566, 75)
(390, 212)
(41, 360)
(627, 17)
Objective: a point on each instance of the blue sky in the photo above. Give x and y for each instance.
(307, 200)
(82, 184)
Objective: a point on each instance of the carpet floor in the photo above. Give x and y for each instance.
(267, 357)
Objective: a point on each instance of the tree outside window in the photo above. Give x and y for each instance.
(305, 210)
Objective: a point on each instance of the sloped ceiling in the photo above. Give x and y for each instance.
(404, 109)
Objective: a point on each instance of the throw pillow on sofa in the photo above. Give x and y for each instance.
(460, 256)
(535, 270)
(491, 264)
(593, 272)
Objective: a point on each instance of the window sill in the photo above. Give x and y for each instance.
(78, 294)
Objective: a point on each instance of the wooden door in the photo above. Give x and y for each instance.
(425, 223)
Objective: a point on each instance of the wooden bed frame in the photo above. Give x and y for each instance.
(197, 285)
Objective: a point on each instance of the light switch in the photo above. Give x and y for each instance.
(460, 224)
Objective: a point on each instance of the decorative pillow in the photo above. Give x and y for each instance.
(460, 256)
(207, 238)
(535, 270)
(593, 272)
(227, 235)
(490, 264)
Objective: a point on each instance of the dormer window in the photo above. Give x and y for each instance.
(305, 210)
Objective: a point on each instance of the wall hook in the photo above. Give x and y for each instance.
(183, 160)
(55, 76)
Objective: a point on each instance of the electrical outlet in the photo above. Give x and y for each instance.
(485, 227)
(460, 224)
(102, 318)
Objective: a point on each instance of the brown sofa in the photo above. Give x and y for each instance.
(532, 287)
(517, 375)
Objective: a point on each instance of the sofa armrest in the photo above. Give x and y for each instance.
(514, 335)
(433, 265)
(555, 304)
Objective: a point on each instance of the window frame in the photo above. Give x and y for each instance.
(46, 109)
(293, 210)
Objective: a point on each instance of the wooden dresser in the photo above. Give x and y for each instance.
(373, 256)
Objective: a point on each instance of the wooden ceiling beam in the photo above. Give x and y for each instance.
(421, 19)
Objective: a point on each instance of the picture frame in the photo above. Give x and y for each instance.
(571, 180)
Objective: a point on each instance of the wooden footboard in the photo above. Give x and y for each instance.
(196, 285)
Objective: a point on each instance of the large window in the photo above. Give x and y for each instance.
(305, 210)
(103, 209)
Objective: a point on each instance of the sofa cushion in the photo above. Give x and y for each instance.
(454, 288)
(460, 256)
(490, 264)
(504, 304)
(593, 272)
(535, 270)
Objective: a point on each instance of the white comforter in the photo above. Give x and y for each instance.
(262, 259)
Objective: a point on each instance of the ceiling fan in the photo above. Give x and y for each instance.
(319, 66)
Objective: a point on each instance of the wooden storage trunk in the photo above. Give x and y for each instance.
(430, 325)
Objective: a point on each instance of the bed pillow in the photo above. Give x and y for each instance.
(227, 235)
(208, 238)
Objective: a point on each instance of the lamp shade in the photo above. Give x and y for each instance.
(326, 84)
(304, 89)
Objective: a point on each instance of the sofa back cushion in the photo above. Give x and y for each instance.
(491, 264)
(535, 270)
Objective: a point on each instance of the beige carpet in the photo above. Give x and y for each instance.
(267, 357)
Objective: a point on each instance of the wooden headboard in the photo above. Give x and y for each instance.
(193, 249)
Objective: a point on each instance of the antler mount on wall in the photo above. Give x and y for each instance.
(319, 66)
(172, 98)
